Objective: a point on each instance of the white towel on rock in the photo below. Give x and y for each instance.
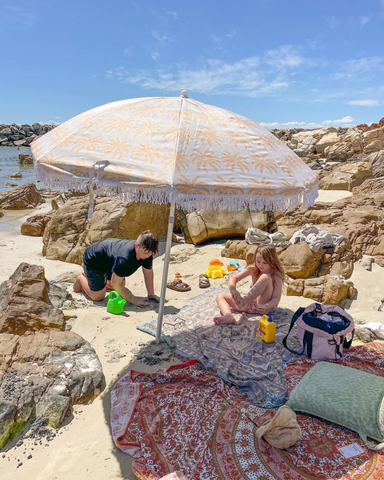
(316, 238)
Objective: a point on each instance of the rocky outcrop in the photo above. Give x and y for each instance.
(25, 159)
(198, 227)
(24, 305)
(70, 232)
(360, 219)
(327, 289)
(21, 135)
(25, 196)
(323, 148)
(346, 176)
(43, 369)
(35, 226)
(318, 275)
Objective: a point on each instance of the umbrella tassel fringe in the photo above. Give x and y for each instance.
(183, 201)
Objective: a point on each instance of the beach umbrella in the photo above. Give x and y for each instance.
(174, 150)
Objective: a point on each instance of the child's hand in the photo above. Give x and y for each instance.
(263, 309)
(235, 295)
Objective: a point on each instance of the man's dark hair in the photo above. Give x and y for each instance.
(148, 241)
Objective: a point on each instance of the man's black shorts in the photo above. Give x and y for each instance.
(97, 279)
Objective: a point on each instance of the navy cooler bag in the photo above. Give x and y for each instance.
(322, 331)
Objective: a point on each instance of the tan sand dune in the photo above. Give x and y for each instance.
(83, 447)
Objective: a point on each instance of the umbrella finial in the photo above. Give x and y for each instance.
(184, 94)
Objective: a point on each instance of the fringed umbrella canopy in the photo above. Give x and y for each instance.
(158, 149)
(178, 151)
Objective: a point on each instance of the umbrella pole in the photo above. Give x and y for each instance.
(168, 244)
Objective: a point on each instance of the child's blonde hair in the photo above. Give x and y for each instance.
(268, 253)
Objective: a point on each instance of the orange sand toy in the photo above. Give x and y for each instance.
(215, 271)
(231, 268)
(216, 261)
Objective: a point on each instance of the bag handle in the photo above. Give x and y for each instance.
(349, 343)
(369, 444)
(297, 314)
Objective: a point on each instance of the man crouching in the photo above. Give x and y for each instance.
(108, 262)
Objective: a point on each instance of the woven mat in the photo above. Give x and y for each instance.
(235, 352)
(187, 419)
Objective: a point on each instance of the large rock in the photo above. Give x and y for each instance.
(25, 196)
(339, 152)
(346, 177)
(360, 219)
(300, 261)
(70, 232)
(317, 275)
(42, 372)
(327, 141)
(376, 159)
(198, 227)
(34, 226)
(25, 159)
(372, 135)
(24, 304)
(324, 289)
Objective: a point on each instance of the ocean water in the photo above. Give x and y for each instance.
(9, 164)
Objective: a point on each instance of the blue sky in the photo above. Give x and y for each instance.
(284, 64)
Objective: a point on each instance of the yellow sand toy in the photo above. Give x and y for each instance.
(215, 271)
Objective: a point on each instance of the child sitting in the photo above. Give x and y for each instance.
(267, 281)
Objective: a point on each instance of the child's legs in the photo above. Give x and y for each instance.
(225, 302)
(266, 295)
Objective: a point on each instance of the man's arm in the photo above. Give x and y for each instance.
(118, 284)
(149, 283)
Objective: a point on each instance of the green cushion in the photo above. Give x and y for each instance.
(345, 396)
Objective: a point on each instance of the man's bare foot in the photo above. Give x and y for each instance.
(77, 288)
(224, 320)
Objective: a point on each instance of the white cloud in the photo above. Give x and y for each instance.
(364, 103)
(162, 39)
(347, 121)
(216, 41)
(244, 77)
(155, 55)
(365, 19)
(173, 15)
(128, 51)
(333, 22)
(284, 57)
(361, 65)
(19, 15)
(57, 118)
(231, 34)
(50, 122)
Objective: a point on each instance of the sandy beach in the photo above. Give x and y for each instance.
(83, 446)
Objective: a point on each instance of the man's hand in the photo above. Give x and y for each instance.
(154, 298)
(139, 301)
